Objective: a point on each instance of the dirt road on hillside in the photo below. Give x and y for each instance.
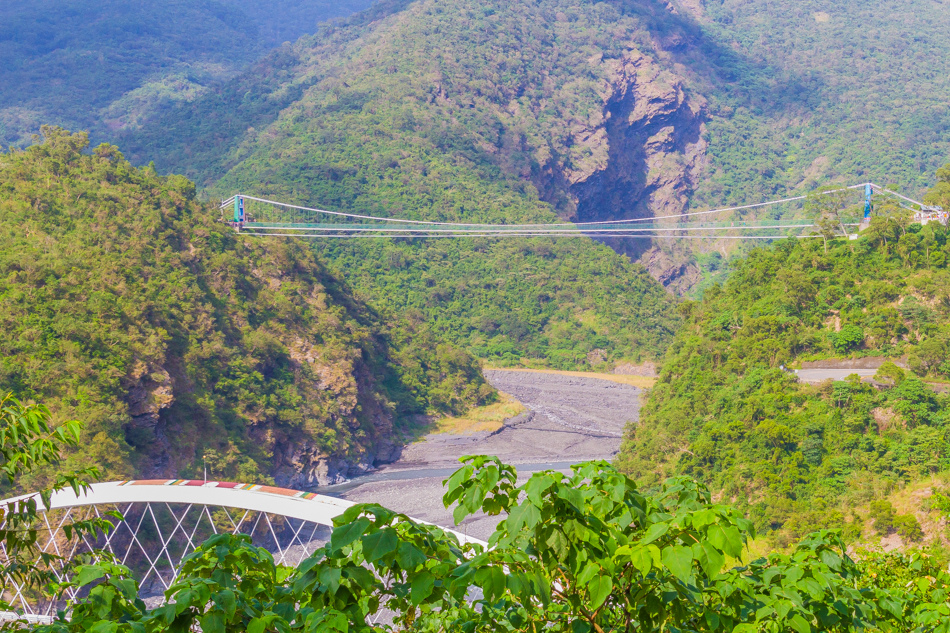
(569, 420)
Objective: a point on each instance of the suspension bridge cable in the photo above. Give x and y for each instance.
(430, 236)
(518, 230)
(598, 229)
(229, 201)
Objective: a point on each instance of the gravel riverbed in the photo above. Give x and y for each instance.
(569, 420)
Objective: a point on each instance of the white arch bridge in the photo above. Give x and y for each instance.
(166, 520)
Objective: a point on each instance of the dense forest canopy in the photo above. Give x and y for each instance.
(107, 65)
(125, 304)
(727, 410)
(441, 112)
(789, 94)
(803, 92)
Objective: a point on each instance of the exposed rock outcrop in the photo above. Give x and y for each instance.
(645, 155)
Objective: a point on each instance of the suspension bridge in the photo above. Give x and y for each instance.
(258, 216)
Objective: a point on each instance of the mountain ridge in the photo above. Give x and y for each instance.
(126, 304)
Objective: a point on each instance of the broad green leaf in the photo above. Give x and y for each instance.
(573, 496)
(347, 533)
(409, 556)
(727, 539)
(499, 582)
(88, 574)
(536, 487)
(830, 558)
(642, 560)
(379, 544)
(679, 560)
(421, 588)
(702, 518)
(212, 622)
(599, 588)
(329, 577)
(226, 600)
(588, 573)
(711, 560)
(654, 532)
(799, 623)
(524, 516)
(558, 544)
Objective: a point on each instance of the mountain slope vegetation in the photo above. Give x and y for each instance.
(107, 65)
(125, 304)
(726, 409)
(470, 111)
(810, 92)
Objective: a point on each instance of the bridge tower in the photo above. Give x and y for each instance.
(239, 209)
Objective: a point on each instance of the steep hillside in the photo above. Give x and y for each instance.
(727, 411)
(806, 92)
(125, 304)
(107, 65)
(499, 112)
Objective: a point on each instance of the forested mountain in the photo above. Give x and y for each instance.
(495, 112)
(125, 304)
(107, 65)
(726, 410)
(806, 92)
(617, 109)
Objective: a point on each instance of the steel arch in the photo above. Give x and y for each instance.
(165, 520)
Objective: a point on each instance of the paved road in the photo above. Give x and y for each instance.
(821, 375)
(569, 420)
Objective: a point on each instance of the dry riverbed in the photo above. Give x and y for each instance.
(568, 419)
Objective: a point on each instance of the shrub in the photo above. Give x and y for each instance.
(849, 338)
(908, 527)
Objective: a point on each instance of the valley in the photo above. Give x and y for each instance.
(606, 285)
(568, 420)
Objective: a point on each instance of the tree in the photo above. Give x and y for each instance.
(29, 442)
(825, 206)
(585, 551)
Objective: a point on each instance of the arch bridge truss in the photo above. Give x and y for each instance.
(166, 520)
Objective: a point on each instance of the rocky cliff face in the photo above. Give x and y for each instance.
(157, 399)
(647, 151)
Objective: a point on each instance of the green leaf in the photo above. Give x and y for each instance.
(88, 574)
(329, 577)
(654, 532)
(728, 539)
(711, 560)
(599, 588)
(558, 544)
(524, 516)
(588, 573)
(679, 560)
(421, 587)
(573, 496)
(379, 544)
(226, 600)
(212, 622)
(257, 625)
(409, 556)
(347, 533)
(799, 623)
(642, 560)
